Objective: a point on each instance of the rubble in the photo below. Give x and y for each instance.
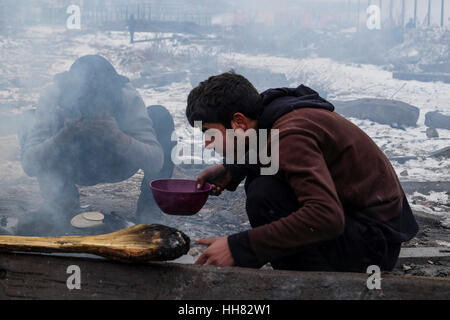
(432, 133)
(422, 50)
(406, 267)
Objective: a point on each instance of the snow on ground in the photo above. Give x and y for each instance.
(351, 81)
(42, 52)
(412, 142)
(347, 82)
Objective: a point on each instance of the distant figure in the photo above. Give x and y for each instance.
(131, 27)
(92, 127)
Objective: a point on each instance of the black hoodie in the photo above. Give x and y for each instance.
(278, 102)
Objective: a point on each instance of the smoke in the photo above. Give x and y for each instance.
(176, 47)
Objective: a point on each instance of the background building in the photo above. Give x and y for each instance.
(317, 14)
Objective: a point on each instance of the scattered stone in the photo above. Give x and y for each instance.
(404, 173)
(402, 160)
(391, 112)
(406, 267)
(444, 152)
(432, 133)
(436, 119)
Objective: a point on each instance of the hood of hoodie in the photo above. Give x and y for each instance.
(278, 102)
(91, 85)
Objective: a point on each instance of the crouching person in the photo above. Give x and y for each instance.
(335, 204)
(92, 127)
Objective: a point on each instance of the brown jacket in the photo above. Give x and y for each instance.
(334, 168)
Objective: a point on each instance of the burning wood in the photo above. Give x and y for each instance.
(140, 243)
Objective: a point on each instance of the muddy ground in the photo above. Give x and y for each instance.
(221, 216)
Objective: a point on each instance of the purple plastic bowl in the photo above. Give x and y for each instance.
(179, 197)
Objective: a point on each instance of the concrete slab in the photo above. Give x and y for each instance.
(426, 252)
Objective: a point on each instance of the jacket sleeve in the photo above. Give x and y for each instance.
(38, 150)
(240, 171)
(320, 216)
(144, 149)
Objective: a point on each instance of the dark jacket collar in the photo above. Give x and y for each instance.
(278, 102)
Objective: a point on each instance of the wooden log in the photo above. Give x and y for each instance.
(45, 277)
(136, 244)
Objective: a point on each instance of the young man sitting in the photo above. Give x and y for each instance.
(335, 204)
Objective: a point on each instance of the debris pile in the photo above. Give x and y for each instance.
(423, 50)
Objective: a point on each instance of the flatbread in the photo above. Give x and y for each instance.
(94, 216)
(81, 222)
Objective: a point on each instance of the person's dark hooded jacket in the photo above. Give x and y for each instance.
(334, 168)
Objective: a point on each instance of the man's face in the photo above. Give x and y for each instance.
(213, 141)
(242, 130)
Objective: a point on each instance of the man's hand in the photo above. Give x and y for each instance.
(70, 131)
(217, 176)
(102, 128)
(217, 254)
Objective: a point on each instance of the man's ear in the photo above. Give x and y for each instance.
(239, 121)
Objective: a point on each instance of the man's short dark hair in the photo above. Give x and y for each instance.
(217, 99)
